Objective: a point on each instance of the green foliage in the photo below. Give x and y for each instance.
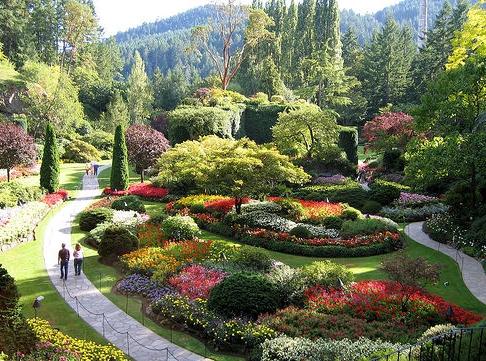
(116, 114)
(117, 241)
(385, 192)
(139, 92)
(393, 160)
(7, 199)
(258, 120)
(180, 228)
(300, 231)
(367, 226)
(332, 222)
(348, 141)
(102, 141)
(350, 192)
(253, 259)
(290, 208)
(50, 171)
(128, 203)
(119, 178)
(170, 90)
(371, 207)
(243, 294)
(190, 123)
(326, 274)
(78, 151)
(88, 220)
(11, 193)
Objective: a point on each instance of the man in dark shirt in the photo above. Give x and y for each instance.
(63, 260)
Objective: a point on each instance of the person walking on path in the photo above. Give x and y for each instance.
(63, 260)
(95, 168)
(88, 168)
(78, 259)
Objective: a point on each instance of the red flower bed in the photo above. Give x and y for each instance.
(386, 300)
(110, 192)
(196, 281)
(204, 217)
(52, 199)
(105, 202)
(222, 205)
(316, 210)
(145, 190)
(150, 235)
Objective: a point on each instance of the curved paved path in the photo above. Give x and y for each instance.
(472, 271)
(84, 293)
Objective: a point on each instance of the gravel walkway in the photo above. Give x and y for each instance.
(472, 271)
(106, 318)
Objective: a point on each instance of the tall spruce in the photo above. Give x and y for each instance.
(140, 96)
(50, 169)
(119, 167)
(288, 41)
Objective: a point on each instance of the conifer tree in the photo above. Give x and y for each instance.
(288, 43)
(119, 167)
(140, 95)
(116, 114)
(50, 170)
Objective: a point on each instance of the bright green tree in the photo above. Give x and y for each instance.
(116, 114)
(119, 167)
(140, 96)
(50, 170)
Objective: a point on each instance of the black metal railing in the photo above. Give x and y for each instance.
(460, 344)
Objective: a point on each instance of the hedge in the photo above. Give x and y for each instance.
(348, 141)
(258, 120)
(350, 192)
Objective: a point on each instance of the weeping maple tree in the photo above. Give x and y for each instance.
(16, 147)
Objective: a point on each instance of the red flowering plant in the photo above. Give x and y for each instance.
(388, 131)
(315, 211)
(222, 206)
(105, 202)
(194, 250)
(196, 281)
(150, 235)
(111, 192)
(51, 199)
(147, 190)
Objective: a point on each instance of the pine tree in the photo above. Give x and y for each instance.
(119, 167)
(288, 43)
(13, 25)
(50, 170)
(116, 114)
(140, 95)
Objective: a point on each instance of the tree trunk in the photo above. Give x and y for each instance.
(142, 175)
(238, 202)
(8, 174)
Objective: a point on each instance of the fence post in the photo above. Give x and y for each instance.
(103, 324)
(128, 344)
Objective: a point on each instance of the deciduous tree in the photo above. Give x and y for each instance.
(16, 147)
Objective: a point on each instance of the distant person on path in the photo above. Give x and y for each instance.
(88, 168)
(95, 168)
(78, 259)
(63, 260)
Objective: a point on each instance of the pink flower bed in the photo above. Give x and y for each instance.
(52, 199)
(407, 198)
(196, 281)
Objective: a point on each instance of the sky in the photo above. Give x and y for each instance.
(119, 15)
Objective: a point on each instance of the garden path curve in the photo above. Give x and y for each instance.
(78, 291)
(472, 271)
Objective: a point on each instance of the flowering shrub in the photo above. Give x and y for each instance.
(413, 214)
(196, 281)
(444, 229)
(148, 261)
(413, 199)
(87, 350)
(193, 250)
(52, 199)
(222, 206)
(385, 300)
(112, 192)
(335, 179)
(180, 228)
(137, 284)
(196, 203)
(388, 131)
(45, 351)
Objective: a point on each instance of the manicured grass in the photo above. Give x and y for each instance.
(104, 177)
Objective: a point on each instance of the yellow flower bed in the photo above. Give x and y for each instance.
(87, 350)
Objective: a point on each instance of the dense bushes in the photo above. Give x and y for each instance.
(78, 151)
(258, 120)
(117, 241)
(243, 294)
(190, 123)
(88, 220)
(128, 203)
(367, 226)
(180, 228)
(385, 192)
(253, 259)
(102, 141)
(350, 192)
(12, 193)
(325, 273)
(348, 141)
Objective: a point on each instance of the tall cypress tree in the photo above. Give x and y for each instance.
(288, 43)
(49, 172)
(119, 167)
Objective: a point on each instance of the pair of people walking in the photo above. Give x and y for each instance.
(92, 168)
(63, 260)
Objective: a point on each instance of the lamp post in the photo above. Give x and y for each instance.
(37, 303)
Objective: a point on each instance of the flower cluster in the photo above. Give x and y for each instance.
(412, 199)
(413, 214)
(222, 206)
(149, 260)
(45, 351)
(196, 281)
(316, 210)
(136, 284)
(87, 350)
(145, 190)
(52, 199)
(387, 300)
(104, 202)
(150, 235)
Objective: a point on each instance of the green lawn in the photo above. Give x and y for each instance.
(104, 177)
(26, 264)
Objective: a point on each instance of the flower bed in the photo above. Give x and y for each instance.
(145, 190)
(87, 350)
(104, 202)
(316, 211)
(408, 199)
(53, 199)
(413, 214)
(148, 261)
(204, 203)
(196, 281)
(137, 284)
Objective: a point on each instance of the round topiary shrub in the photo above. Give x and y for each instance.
(385, 192)
(326, 274)
(351, 214)
(332, 222)
(290, 208)
(371, 207)
(128, 203)
(180, 228)
(117, 241)
(88, 220)
(244, 294)
(253, 258)
(300, 231)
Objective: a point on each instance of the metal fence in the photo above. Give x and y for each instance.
(461, 344)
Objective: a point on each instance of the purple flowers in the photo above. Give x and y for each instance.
(137, 284)
(408, 199)
(335, 179)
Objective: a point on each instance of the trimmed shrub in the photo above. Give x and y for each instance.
(371, 207)
(78, 151)
(348, 141)
(385, 192)
(326, 274)
(243, 294)
(367, 226)
(258, 120)
(50, 171)
(119, 178)
(301, 231)
(88, 220)
(117, 241)
(290, 208)
(180, 228)
(350, 192)
(254, 259)
(351, 214)
(128, 203)
(332, 222)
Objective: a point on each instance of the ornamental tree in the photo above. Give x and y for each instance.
(119, 167)
(237, 168)
(387, 131)
(16, 147)
(49, 172)
(145, 145)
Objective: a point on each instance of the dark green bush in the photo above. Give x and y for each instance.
(371, 207)
(117, 241)
(78, 151)
(119, 177)
(243, 294)
(332, 222)
(290, 208)
(348, 141)
(367, 226)
(385, 192)
(393, 160)
(88, 220)
(350, 192)
(258, 120)
(326, 274)
(50, 169)
(301, 232)
(254, 259)
(129, 203)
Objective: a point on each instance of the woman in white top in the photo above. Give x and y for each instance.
(78, 259)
